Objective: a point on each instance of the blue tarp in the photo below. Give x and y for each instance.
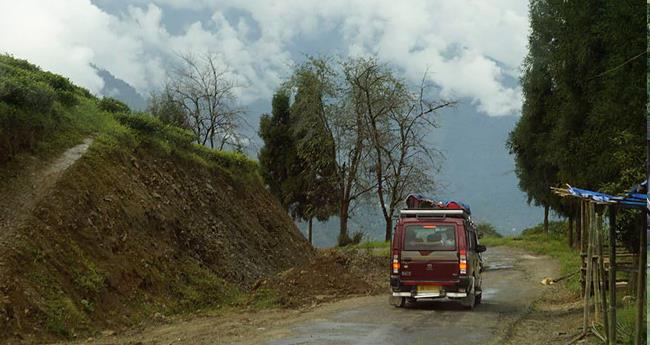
(630, 200)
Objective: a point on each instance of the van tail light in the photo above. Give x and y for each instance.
(395, 264)
(462, 262)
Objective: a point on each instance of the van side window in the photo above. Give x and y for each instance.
(471, 241)
(474, 240)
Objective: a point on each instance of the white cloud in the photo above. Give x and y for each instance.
(68, 36)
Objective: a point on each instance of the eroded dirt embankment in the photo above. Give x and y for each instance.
(124, 234)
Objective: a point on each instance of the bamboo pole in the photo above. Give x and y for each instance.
(594, 262)
(612, 275)
(588, 278)
(601, 269)
(583, 268)
(640, 290)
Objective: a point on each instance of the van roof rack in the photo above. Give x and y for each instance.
(419, 213)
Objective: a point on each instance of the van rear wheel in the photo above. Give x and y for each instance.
(397, 302)
(470, 301)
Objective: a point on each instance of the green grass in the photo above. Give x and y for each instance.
(626, 316)
(264, 298)
(171, 140)
(36, 107)
(377, 248)
(554, 246)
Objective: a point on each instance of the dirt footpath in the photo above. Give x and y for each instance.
(21, 193)
(516, 309)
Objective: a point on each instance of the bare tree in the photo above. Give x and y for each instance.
(376, 128)
(205, 91)
(398, 121)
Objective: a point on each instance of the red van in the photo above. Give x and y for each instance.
(435, 253)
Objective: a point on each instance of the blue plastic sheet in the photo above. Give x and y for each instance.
(630, 200)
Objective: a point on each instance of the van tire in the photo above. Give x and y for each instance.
(470, 301)
(397, 302)
(478, 298)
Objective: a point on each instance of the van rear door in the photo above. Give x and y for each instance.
(429, 253)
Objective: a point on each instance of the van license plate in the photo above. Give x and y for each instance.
(428, 289)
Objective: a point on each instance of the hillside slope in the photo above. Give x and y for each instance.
(126, 233)
(145, 222)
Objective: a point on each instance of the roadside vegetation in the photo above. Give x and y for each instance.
(536, 241)
(42, 113)
(584, 111)
(554, 245)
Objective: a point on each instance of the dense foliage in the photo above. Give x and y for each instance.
(113, 105)
(32, 102)
(304, 187)
(487, 230)
(355, 128)
(584, 95)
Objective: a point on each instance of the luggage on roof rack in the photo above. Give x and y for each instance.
(420, 202)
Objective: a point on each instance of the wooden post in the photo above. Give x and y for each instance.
(640, 290)
(578, 226)
(310, 229)
(570, 232)
(601, 269)
(583, 267)
(588, 274)
(612, 275)
(593, 242)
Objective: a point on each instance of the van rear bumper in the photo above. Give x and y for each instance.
(449, 288)
(416, 295)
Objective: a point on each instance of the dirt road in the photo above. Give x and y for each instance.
(510, 288)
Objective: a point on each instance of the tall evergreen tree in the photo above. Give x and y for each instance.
(278, 154)
(584, 87)
(293, 159)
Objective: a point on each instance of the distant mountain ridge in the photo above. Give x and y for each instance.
(119, 89)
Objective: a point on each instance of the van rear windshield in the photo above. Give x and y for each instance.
(430, 237)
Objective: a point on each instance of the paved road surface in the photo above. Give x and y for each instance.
(509, 290)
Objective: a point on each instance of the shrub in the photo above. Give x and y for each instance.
(141, 122)
(555, 229)
(487, 230)
(355, 239)
(57, 82)
(27, 93)
(112, 105)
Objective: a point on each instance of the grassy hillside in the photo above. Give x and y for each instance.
(145, 222)
(41, 112)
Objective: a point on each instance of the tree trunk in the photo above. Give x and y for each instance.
(546, 219)
(310, 229)
(570, 232)
(343, 218)
(389, 228)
